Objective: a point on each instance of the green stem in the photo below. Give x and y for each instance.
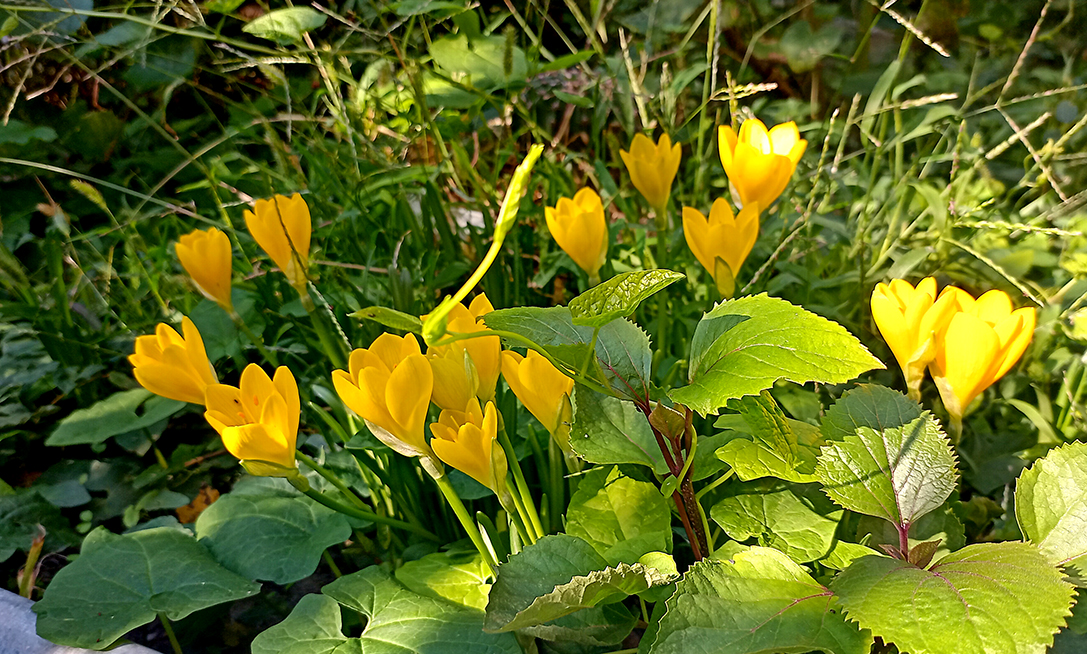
(533, 522)
(328, 342)
(466, 521)
(331, 564)
(366, 515)
(169, 629)
(253, 338)
(556, 482)
(663, 318)
(715, 483)
(332, 479)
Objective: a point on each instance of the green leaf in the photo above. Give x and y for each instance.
(20, 515)
(798, 523)
(285, 25)
(460, 578)
(622, 518)
(868, 405)
(774, 449)
(273, 535)
(557, 576)
(390, 318)
(619, 296)
(485, 62)
(1051, 507)
(898, 474)
(990, 598)
(610, 430)
(760, 602)
(743, 346)
(803, 48)
(115, 415)
(942, 524)
(121, 582)
(313, 627)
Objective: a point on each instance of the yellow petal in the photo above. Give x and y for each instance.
(784, 137)
(455, 379)
(164, 380)
(206, 257)
(753, 132)
(888, 316)
(965, 356)
(408, 397)
(726, 145)
(696, 232)
(993, 307)
(1015, 333)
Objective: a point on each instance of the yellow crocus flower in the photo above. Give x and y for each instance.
(578, 226)
(759, 163)
(652, 167)
(206, 256)
(980, 344)
(389, 384)
(258, 420)
(455, 378)
(465, 440)
(281, 227)
(543, 389)
(468, 367)
(722, 243)
(910, 319)
(173, 366)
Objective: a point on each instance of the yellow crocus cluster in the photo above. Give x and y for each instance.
(579, 227)
(967, 344)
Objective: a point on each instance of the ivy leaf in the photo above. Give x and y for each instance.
(398, 621)
(743, 346)
(798, 524)
(619, 296)
(557, 576)
(457, 577)
(898, 474)
(1051, 507)
(273, 535)
(759, 602)
(774, 449)
(622, 518)
(610, 430)
(121, 582)
(990, 598)
(868, 405)
(118, 414)
(285, 25)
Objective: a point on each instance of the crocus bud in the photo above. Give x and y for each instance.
(281, 227)
(722, 242)
(205, 255)
(578, 226)
(172, 366)
(652, 167)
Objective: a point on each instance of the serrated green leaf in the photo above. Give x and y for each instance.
(390, 318)
(460, 578)
(1051, 507)
(622, 518)
(898, 474)
(285, 25)
(774, 449)
(760, 602)
(121, 582)
(619, 296)
(610, 430)
(557, 576)
(743, 346)
(117, 414)
(942, 524)
(868, 405)
(800, 525)
(272, 535)
(990, 598)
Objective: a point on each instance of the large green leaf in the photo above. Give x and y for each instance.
(990, 598)
(898, 474)
(760, 602)
(121, 582)
(743, 346)
(610, 430)
(398, 621)
(619, 296)
(774, 449)
(117, 414)
(622, 518)
(20, 515)
(801, 525)
(557, 576)
(460, 578)
(269, 534)
(868, 405)
(487, 62)
(1051, 507)
(285, 25)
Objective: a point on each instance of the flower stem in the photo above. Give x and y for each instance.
(532, 523)
(340, 507)
(169, 629)
(466, 521)
(663, 318)
(332, 479)
(329, 343)
(257, 341)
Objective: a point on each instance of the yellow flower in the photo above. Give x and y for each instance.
(171, 366)
(258, 421)
(466, 441)
(281, 227)
(722, 243)
(652, 167)
(389, 385)
(543, 389)
(469, 367)
(578, 226)
(759, 163)
(910, 319)
(205, 255)
(981, 343)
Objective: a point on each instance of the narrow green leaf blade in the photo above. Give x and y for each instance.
(391, 318)
(1051, 507)
(990, 598)
(743, 346)
(619, 296)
